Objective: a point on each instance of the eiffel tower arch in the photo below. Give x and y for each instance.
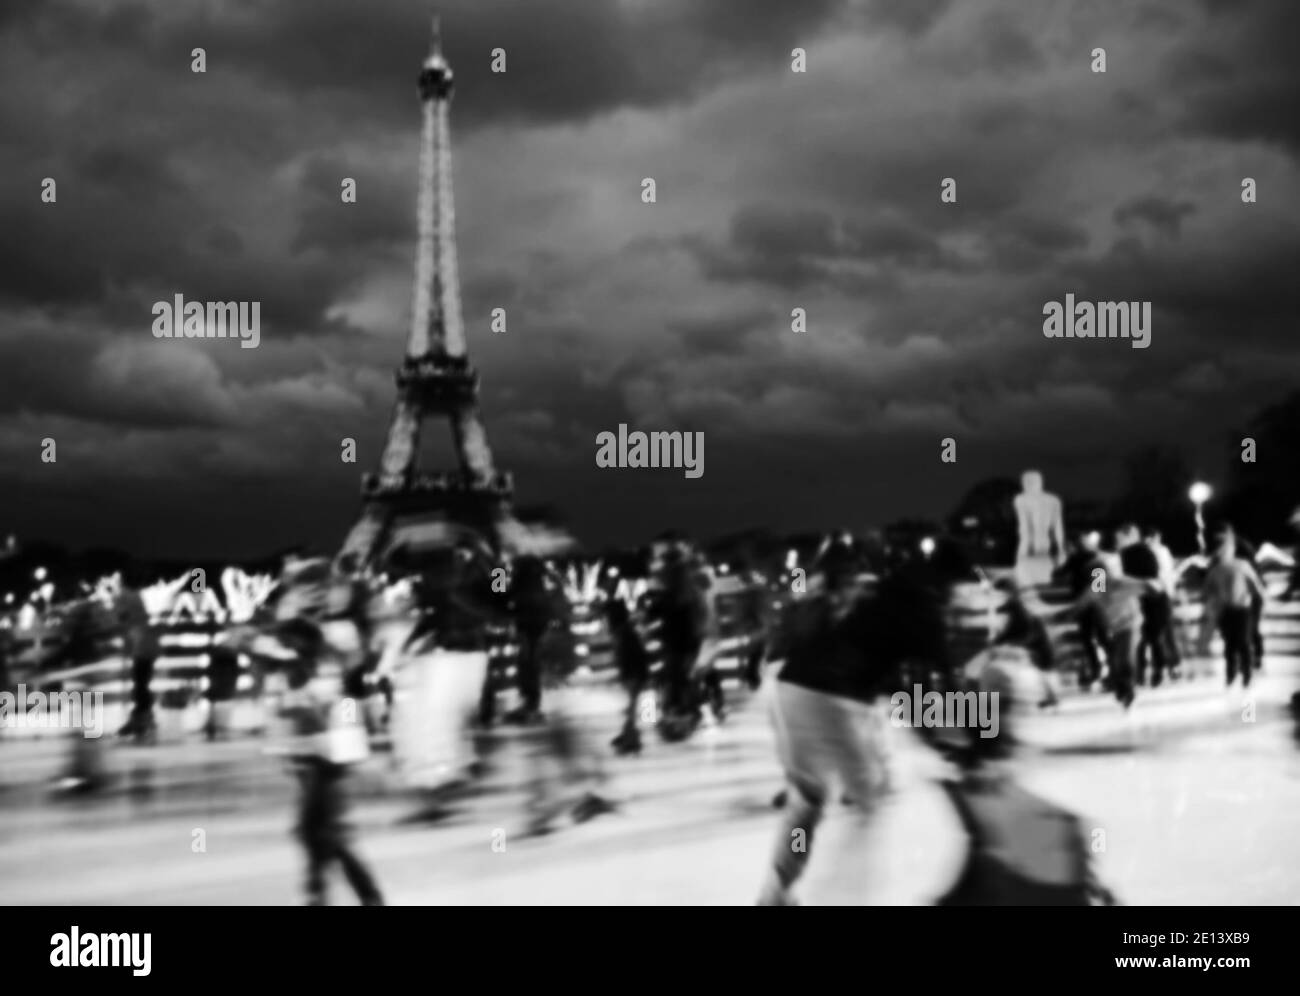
(403, 505)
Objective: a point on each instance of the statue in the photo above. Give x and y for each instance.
(1042, 532)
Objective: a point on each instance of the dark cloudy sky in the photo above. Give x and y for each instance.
(776, 191)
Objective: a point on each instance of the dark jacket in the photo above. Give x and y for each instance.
(1077, 570)
(629, 651)
(856, 652)
(532, 602)
(681, 612)
(1139, 561)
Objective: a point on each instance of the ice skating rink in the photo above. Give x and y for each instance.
(1197, 807)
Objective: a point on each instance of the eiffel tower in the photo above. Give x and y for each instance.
(401, 503)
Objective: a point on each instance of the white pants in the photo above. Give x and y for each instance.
(435, 697)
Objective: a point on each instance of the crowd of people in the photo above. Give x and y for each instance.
(1125, 600)
(841, 636)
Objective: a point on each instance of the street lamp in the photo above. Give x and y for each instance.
(927, 545)
(1200, 493)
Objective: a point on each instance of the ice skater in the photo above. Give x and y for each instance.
(633, 670)
(1232, 587)
(327, 742)
(842, 651)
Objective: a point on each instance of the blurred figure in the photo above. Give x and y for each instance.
(1078, 573)
(1118, 604)
(705, 680)
(441, 668)
(681, 613)
(567, 773)
(360, 681)
(1025, 628)
(1024, 850)
(223, 681)
(1231, 588)
(841, 651)
(327, 738)
(532, 604)
(1168, 575)
(141, 647)
(633, 670)
(1247, 551)
(755, 618)
(1138, 560)
(320, 767)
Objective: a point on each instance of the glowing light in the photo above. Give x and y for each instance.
(927, 545)
(1199, 493)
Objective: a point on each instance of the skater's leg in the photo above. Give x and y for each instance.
(529, 672)
(334, 838)
(312, 830)
(799, 717)
(1123, 646)
(804, 808)
(1234, 627)
(629, 738)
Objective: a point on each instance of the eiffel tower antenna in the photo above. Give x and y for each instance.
(436, 379)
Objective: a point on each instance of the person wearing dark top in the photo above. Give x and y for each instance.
(141, 646)
(681, 614)
(1078, 573)
(458, 598)
(223, 683)
(755, 620)
(633, 670)
(1247, 551)
(532, 605)
(1137, 560)
(842, 651)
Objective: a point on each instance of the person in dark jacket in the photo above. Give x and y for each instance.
(841, 651)
(533, 605)
(681, 614)
(141, 646)
(1138, 560)
(633, 670)
(1248, 552)
(1079, 572)
(223, 683)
